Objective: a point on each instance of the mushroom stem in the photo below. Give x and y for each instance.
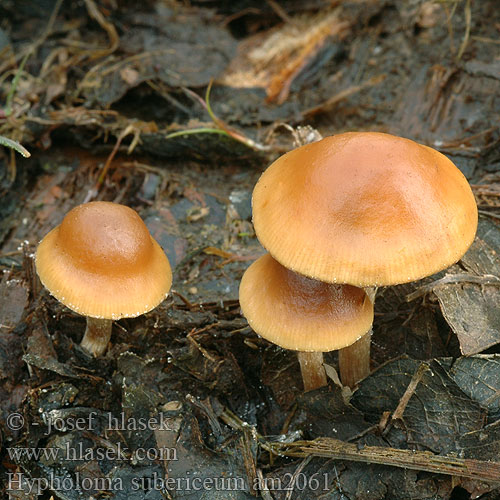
(97, 335)
(354, 360)
(312, 369)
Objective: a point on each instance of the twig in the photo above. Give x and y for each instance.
(206, 408)
(248, 448)
(485, 39)
(190, 337)
(220, 124)
(408, 459)
(405, 398)
(449, 15)
(96, 14)
(465, 41)
(92, 193)
(293, 479)
(264, 490)
(280, 11)
(487, 279)
(184, 299)
(13, 87)
(490, 214)
(194, 131)
(50, 24)
(343, 94)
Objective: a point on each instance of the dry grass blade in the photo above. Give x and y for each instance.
(4, 141)
(468, 20)
(410, 391)
(222, 129)
(130, 129)
(343, 94)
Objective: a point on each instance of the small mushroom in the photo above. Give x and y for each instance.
(364, 208)
(303, 314)
(102, 262)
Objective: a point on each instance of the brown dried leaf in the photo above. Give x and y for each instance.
(274, 59)
(479, 378)
(472, 312)
(429, 418)
(470, 309)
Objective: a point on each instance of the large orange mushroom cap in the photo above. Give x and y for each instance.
(364, 208)
(299, 313)
(102, 262)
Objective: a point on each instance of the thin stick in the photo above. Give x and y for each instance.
(343, 94)
(405, 398)
(92, 193)
(408, 459)
(468, 19)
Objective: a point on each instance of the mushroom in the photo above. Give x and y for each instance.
(102, 262)
(303, 314)
(364, 208)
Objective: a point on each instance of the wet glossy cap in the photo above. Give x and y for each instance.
(364, 208)
(102, 262)
(299, 313)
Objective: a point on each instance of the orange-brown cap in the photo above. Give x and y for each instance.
(364, 208)
(102, 262)
(299, 313)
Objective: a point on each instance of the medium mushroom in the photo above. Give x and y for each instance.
(364, 208)
(303, 314)
(102, 262)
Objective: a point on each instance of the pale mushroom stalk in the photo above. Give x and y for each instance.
(312, 369)
(354, 360)
(97, 335)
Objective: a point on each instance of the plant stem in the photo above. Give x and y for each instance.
(5, 141)
(479, 470)
(313, 371)
(97, 335)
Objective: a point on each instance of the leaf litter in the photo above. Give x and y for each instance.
(114, 102)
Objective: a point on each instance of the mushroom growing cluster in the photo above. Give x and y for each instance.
(102, 262)
(303, 314)
(365, 209)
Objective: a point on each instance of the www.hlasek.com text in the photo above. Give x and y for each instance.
(79, 453)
